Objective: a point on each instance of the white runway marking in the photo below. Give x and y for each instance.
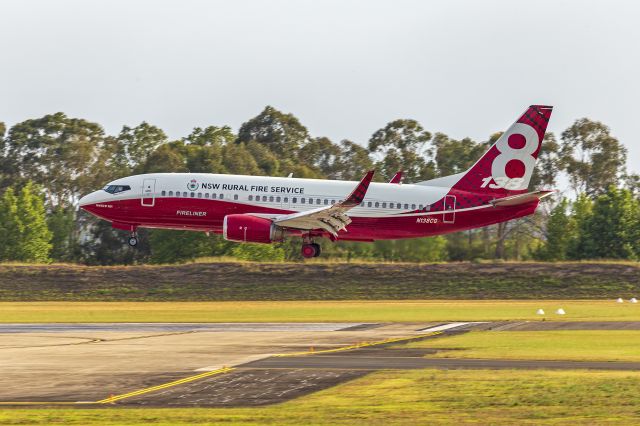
(449, 326)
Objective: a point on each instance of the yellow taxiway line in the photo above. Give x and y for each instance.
(360, 345)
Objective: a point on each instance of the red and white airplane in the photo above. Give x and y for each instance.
(261, 209)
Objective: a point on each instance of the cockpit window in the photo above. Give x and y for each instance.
(114, 189)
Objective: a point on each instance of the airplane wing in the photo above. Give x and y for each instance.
(515, 200)
(332, 218)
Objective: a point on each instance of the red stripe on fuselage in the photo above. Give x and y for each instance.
(208, 215)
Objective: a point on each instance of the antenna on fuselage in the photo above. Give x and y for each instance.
(290, 175)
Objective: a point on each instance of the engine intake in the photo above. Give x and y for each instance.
(246, 228)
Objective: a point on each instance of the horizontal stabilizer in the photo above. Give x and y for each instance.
(515, 200)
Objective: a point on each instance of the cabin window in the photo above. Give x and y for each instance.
(213, 196)
(326, 202)
(193, 194)
(427, 208)
(170, 193)
(235, 196)
(286, 199)
(420, 206)
(406, 206)
(384, 205)
(221, 196)
(199, 194)
(303, 200)
(184, 194)
(377, 204)
(250, 197)
(277, 199)
(369, 204)
(164, 193)
(271, 199)
(206, 195)
(294, 200)
(413, 206)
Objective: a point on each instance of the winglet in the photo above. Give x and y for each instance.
(397, 178)
(356, 197)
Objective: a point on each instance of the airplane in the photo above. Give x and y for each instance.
(260, 209)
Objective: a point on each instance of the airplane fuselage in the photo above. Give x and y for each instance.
(200, 201)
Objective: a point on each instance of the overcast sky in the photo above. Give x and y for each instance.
(345, 68)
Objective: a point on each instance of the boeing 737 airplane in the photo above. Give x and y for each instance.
(259, 209)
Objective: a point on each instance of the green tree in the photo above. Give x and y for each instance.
(35, 244)
(354, 161)
(593, 159)
(204, 149)
(453, 156)
(401, 145)
(548, 165)
(559, 233)
(136, 144)
(581, 241)
(167, 158)
(11, 227)
(612, 228)
(62, 224)
(178, 246)
(55, 152)
(322, 155)
(281, 133)
(5, 167)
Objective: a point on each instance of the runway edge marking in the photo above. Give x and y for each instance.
(115, 398)
(361, 345)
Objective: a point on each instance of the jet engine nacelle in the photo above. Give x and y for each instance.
(246, 228)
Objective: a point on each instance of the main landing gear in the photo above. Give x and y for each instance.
(310, 249)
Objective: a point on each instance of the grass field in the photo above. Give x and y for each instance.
(321, 311)
(320, 281)
(582, 345)
(406, 398)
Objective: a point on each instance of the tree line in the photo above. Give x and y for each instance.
(48, 163)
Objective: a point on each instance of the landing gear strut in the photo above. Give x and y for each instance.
(133, 239)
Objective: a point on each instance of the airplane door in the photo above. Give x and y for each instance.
(449, 215)
(148, 192)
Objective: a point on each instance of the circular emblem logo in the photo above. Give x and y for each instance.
(192, 185)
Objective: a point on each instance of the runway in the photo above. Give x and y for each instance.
(179, 327)
(232, 364)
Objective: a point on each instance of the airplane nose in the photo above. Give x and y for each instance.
(88, 199)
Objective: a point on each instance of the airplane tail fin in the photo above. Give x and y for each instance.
(506, 168)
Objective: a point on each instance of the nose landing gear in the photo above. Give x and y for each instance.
(133, 239)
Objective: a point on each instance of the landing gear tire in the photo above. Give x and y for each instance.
(133, 241)
(318, 249)
(310, 250)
